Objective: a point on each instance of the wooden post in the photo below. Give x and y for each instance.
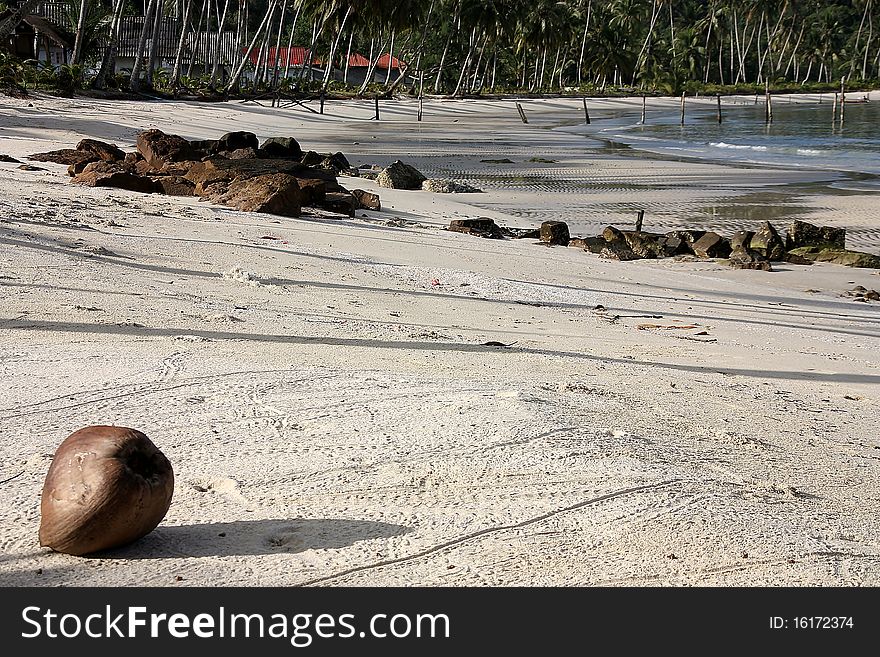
(377, 107)
(644, 109)
(768, 112)
(322, 101)
(586, 111)
(639, 221)
(421, 94)
(682, 108)
(718, 98)
(834, 108)
(842, 99)
(522, 113)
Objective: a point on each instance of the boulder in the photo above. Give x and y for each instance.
(133, 158)
(439, 186)
(525, 233)
(591, 244)
(66, 156)
(400, 176)
(482, 227)
(555, 232)
(617, 251)
(686, 240)
(312, 159)
(367, 200)
(611, 234)
(340, 202)
(711, 245)
(800, 234)
(672, 246)
(275, 193)
(282, 147)
(234, 141)
(203, 147)
(78, 168)
(836, 256)
(767, 242)
(158, 148)
(644, 245)
(248, 153)
(741, 239)
(101, 150)
(175, 185)
(108, 174)
(745, 258)
(8, 158)
(336, 162)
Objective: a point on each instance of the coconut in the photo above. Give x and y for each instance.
(107, 486)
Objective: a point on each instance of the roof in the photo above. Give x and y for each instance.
(49, 29)
(358, 60)
(296, 55)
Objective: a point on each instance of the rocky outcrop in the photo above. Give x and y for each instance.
(555, 232)
(401, 176)
(711, 245)
(367, 200)
(801, 234)
(744, 258)
(101, 150)
(836, 256)
(158, 149)
(482, 227)
(111, 174)
(618, 251)
(439, 186)
(767, 242)
(282, 147)
(274, 193)
(66, 156)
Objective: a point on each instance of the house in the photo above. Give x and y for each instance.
(289, 60)
(358, 65)
(36, 37)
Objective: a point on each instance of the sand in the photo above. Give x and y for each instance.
(322, 387)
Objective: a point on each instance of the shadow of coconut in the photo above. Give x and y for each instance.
(252, 537)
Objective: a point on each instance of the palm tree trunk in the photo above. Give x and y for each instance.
(333, 48)
(80, 28)
(154, 45)
(175, 72)
(583, 43)
(390, 58)
(236, 76)
(134, 84)
(218, 48)
(348, 58)
(107, 62)
(290, 38)
(276, 63)
(197, 41)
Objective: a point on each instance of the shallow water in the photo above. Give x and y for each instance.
(801, 136)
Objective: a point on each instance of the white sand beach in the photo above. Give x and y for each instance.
(322, 387)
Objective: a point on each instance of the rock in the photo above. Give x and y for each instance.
(314, 191)
(711, 245)
(796, 259)
(872, 295)
(203, 147)
(336, 162)
(837, 256)
(77, 168)
(498, 161)
(448, 187)
(482, 227)
(101, 150)
(312, 159)
(110, 174)
(555, 232)
(741, 239)
(234, 141)
(340, 202)
(106, 487)
(800, 234)
(744, 258)
(275, 193)
(367, 200)
(157, 148)
(175, 185)
(672, 246)
(525, 233)
(240, 154)
(611, 234)
(400, 176)
(282, 147)
(65, 156)
(133, 158)
(645, 245)
(30, 167)
(8, 158)
(591, 244)
(617, 251)
(687, 239)
(767, 242)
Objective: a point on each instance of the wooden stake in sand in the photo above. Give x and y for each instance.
(768, 101)
(322, 101)
(522, 113)
(644, 109)
(834, 108)
(586, 112)
(421, 94)
(682, 108)
(639, 221)
(377, 108)
(718, 98)
(842, 99)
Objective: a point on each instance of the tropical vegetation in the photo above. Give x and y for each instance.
(465, 47)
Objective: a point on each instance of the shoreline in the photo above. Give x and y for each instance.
(337, 417)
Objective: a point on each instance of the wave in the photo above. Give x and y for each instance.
(738, 147)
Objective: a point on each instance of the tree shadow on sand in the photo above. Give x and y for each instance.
(252, 537)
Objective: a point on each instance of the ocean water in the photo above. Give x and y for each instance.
(801, 136)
